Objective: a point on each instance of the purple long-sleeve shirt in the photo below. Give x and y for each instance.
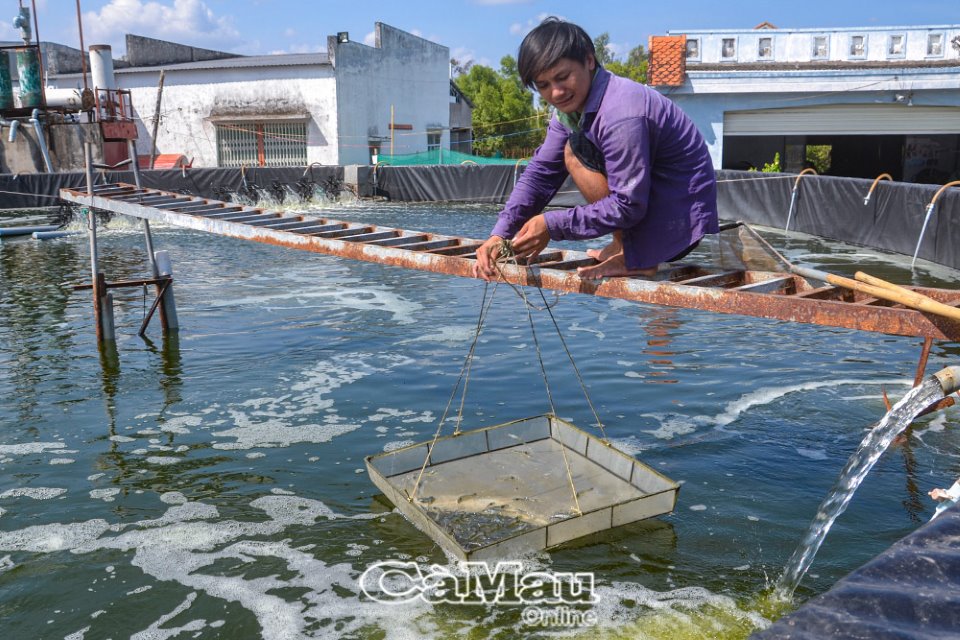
(663, 192)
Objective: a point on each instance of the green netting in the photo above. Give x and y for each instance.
(441, 156)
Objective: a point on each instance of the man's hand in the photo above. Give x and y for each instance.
(532, 238)
(487, 254)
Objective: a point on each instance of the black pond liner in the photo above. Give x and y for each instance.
(911, 590)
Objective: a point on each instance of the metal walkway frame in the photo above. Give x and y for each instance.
(772, 295)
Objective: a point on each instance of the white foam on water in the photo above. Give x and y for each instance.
(62, 461)
(180, 424)
(400, 444)
(698, 507)
(813, 454)
(30, 447)
(154, 632)
(173, 497)
(576, 326)
(402, 310)
(276, 422)
(452, 335)
(281, 492)
(6, 564)
(77, 635)
(256, 454)
(164, 460)
(675, 424)
(95, 476)
(107, 495)
(623, 604)
(767, 395)
(37, 493)
(406, 415)
(121, 439)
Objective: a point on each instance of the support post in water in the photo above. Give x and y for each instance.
(148, 237)
(168, 306)
(102, 302)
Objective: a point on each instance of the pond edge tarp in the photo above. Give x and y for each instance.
(825, 206)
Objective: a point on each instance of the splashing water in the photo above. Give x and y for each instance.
(853, 473)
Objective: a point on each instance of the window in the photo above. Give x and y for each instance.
(261, 144)
(895, 47)
(433, 140)
(693, 49)
(821, 48)
(935, 44)
(765, 48)
(858, 46)
(728, 49)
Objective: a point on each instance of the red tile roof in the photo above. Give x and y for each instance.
(668, 61)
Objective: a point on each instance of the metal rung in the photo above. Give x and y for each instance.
(247, 217)
(724, 279)
(566, 265)
(180, 205)
(355, 231)
(290, 226)
(219, 212)
(462, 250)
(432, 244)
(401, 241)
(768, 286)
(367, 237)
(320, 228)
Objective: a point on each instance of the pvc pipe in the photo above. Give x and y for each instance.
(53, 235)
(949, 379)
(13, 124)
(101, 68)
(26, 231)
(35, 121)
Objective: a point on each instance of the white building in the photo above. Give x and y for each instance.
(883, 99)
(337, 107)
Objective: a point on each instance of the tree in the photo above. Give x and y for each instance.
(635, 66)
(601, 45)
(504, 118)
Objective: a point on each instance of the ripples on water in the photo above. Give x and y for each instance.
(213, 485)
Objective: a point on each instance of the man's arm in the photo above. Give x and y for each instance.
(538, 184)
(625, 146)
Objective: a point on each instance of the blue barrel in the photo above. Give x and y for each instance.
(6, 85)
(6, 232)
(28, 66)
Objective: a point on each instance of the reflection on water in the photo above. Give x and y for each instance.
(211, 484)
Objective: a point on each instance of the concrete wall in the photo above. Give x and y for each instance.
(404, 71)
(65, 142)
(193, 100)
(150, 52)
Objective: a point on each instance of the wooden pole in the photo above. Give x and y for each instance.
(156, 121)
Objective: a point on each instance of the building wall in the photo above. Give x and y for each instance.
(402, 71)
(797, 45)
(194, 100)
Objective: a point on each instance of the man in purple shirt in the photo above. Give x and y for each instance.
(638, 160)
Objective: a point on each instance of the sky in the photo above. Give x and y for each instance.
(479, 30)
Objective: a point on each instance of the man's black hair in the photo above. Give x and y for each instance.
(550, 41)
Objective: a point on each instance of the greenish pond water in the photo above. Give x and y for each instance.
(212, 485)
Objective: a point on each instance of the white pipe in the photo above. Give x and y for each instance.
(101, 69)
(14, 126)
(35, 121)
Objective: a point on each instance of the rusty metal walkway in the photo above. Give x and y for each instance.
(774, 295)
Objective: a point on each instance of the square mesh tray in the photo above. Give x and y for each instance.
(504, 490)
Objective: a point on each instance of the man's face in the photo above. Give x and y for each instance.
(566, 84)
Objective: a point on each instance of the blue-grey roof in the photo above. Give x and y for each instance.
(242, 62)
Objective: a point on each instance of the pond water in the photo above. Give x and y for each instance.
(212, 485)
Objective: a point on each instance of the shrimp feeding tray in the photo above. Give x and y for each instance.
(505, 490)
